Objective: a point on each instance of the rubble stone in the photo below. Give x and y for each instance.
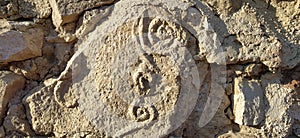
(10, 84)
(18, 46)
(64, 11)
(248, 105)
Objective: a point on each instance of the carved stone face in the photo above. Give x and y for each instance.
(145, 74)
(135, 74)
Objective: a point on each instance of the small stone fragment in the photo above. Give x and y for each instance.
(229, 89)
(14, 9)
(229, 113)
(254, 69)
(248, 106)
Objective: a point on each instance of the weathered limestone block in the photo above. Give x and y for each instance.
(248, 106)
(144, 72)
(255, 46)
(66, 11)
(17, 46)
(10, 84)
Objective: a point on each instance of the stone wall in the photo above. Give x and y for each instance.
(150, 68)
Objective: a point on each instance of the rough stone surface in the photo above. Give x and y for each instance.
(48, 117)
(9, 8)
(248, 102)
(90, 19)
(34, 8)
(251, 36)
(150, 68)
(13, 9)
(10, 84)
(279, 102)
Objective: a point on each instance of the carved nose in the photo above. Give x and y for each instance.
(143, 84)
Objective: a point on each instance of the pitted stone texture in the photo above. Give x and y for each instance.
(250, 33)
(9, 8)
(90, 20)
(275, 104)
(279, 106)
(34, 8)
(48, 117)
(17, 46)
(259, 31)
(13, 9)
(66, 11)
(10, 84)
(255, 46)
(248, 105)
